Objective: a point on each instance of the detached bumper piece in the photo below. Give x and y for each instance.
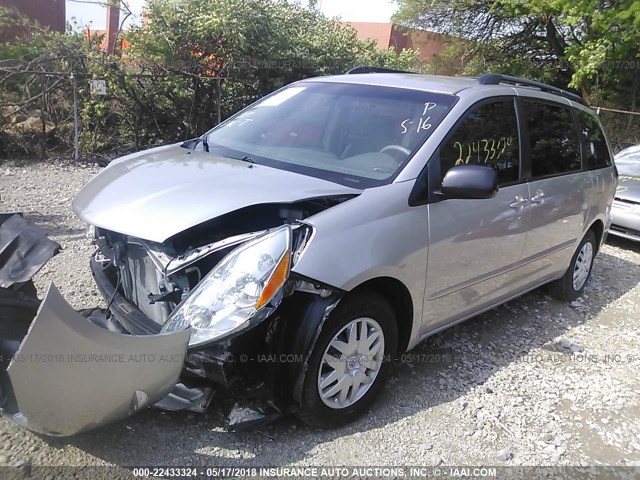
(70, 375)
(245, 416)
(24, 249)
(182, 397)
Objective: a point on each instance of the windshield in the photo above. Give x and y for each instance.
(356, 135)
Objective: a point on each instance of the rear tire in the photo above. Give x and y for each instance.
(572, 284)
(350, 362)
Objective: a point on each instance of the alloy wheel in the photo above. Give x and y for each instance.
(582, 266)
(350, 363)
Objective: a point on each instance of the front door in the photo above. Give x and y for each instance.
(476, 245)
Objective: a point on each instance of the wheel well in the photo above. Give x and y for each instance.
(598, 230)
(398, 296)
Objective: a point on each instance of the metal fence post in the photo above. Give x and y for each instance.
(76, 129)
(218, 98)
(43, 120)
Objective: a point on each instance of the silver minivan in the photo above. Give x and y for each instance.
(288, 255)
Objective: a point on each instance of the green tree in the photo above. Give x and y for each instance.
(590, 45)
(271, 42)
(257, 46)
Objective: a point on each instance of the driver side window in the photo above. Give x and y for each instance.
(488, 135)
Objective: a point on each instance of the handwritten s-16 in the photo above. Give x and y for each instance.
(423, 123)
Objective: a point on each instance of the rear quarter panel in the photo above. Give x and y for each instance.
(605, 182)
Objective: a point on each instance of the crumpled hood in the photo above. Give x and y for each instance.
(628, 188)
(156, 194)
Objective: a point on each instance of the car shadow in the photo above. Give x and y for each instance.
(56, 226)
(623, 243)
(440, 370)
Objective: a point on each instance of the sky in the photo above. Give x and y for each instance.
(94, 14)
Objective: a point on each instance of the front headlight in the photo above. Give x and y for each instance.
(238, 291)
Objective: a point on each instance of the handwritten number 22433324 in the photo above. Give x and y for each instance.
(482, 150)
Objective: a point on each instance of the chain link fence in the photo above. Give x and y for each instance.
(51, 114)
(621, 126)
(59, 114)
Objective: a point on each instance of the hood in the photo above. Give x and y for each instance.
(628, 188)
(156, 194)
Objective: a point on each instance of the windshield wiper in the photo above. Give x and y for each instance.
(205, 146)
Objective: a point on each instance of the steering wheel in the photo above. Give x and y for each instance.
(397, 148)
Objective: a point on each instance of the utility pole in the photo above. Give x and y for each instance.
(113, 26)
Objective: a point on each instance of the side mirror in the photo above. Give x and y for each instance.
(470, 181)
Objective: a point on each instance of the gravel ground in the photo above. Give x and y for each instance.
(534, 382)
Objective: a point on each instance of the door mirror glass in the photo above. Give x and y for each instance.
(470, 181)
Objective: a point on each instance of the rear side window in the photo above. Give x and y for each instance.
(596, 151)
(554, 144)
(488, 135)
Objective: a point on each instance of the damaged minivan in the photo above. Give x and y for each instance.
(287, 256)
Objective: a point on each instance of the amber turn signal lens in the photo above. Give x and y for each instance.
(275, 282)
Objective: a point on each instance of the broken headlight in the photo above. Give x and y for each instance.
(241, 290)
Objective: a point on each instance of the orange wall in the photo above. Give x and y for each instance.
(380, 32)
(428, 44)
(388, 35)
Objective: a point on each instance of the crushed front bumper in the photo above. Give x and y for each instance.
(214, 362)
(70, 375)
(71, 372)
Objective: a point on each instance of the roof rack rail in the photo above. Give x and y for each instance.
(357, 70)
(498, 78)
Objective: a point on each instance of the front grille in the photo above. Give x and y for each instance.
(624, 231)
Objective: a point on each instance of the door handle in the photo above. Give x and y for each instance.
(519, 202)
(538, 198)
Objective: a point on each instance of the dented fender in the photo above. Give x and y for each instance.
(303, 314)
(318, 312)
(70, 375)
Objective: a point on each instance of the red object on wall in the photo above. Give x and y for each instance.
(48, 13)
(121, 46)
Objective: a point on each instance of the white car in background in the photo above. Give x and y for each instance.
(625, 214)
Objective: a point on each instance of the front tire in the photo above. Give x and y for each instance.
(572, 284)
(350, 362)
